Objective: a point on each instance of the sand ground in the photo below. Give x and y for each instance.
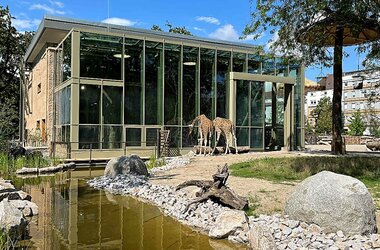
(265, 196)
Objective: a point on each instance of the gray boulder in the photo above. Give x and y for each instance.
(27, 208)
(126, 165)
(334, 202)
(12, 220)
(227, 223)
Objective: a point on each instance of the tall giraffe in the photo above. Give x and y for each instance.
(205, 130)
(225, 127)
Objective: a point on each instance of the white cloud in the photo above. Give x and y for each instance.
(271, 41)
(119, 21)
(25, 24)
(47, 9)
(208, 19)
(226, 32)
(57, 3)
(199, 29)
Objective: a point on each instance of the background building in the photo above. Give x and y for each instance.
(357, 86)
(312, 99)
(109, 88)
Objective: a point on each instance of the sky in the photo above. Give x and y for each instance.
(215, 19)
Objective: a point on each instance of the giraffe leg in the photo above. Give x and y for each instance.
(205, 142)
(201, 140)
(216, 142)
(227, 146)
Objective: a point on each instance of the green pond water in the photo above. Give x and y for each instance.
(74, 216)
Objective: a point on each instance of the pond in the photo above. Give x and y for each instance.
(74, 216)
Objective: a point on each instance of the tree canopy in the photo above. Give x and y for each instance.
(12, 47)
(291, 20)
(322, 114)
(357, 125)
(178, 30)
(307, 28)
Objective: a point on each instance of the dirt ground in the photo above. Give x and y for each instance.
(265, 196)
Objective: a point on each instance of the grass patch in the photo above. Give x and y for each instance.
(285, 169)
(155, 162)
(280, 169)
(8, 164)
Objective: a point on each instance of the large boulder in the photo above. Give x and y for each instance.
(126, 165)
(227, 223)
(12, 220)
(334, 202)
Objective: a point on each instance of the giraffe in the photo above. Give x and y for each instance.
(225, 127)
(205, 130)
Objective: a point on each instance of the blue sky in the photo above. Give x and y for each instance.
(207, 18)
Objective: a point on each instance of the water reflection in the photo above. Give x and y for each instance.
(75, 216)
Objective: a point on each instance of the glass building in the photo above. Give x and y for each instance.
(112, 87)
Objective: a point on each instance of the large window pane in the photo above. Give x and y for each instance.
(253, 64)
(190, 62)
(268, 66)
(257, 116)
(112, 105)
(133, 71)
(242, 106)
(62, 106)
(281, 67)
(151, 136)
(89, 104)
(153, 82)
(133, 136)
(223, 68)
(100, 56)
(257, 138)
(242, 135)
(111, 137)
(66, 58)
(89, 137)
(189, 140)
(207, 82)
(172, 87)
(239, 62)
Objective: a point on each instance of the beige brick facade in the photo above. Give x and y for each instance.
(39, 122)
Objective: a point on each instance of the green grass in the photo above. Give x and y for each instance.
(292, 169)
(8, 165)
(155, 162)
(280, 169)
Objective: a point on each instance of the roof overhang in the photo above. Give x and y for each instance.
(54, 29)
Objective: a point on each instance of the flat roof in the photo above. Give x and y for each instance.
(53, 29)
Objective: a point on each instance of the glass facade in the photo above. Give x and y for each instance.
(129, 88)
(100, 56)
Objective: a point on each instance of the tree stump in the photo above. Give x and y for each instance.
(216, 190)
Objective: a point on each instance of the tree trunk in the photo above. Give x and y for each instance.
(337, 126)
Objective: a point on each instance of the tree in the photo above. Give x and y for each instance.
(322, 114)
(178, 30)
(306, 28)
(12, 47)
(357, 125)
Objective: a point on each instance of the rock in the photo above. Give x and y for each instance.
(27, 171)
(334, 202)
(259, 237)
(227, 223)
(373, 145)
(13, 194)
(12, 220)
(125, 165)
(28, 208)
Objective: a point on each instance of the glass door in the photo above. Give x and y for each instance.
(250, 114)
